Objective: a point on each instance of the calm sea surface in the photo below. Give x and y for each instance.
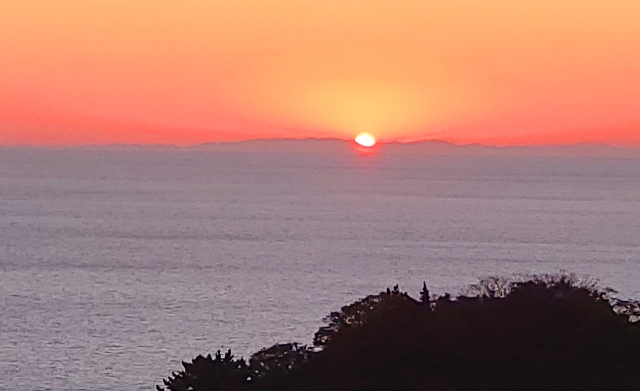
(117, 265)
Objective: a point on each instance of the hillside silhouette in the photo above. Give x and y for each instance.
(546, 333)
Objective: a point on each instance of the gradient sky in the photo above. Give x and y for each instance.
(498, 72)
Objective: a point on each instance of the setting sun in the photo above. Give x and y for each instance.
(365, 140)
(493, 72)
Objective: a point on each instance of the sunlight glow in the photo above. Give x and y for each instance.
(495, 72)
(365, 140)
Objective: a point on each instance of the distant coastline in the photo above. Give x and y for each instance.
(334, 145)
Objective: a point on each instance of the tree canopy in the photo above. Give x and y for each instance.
(544, 333)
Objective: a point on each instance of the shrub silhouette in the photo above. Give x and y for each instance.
(546, 333)
(206, 373)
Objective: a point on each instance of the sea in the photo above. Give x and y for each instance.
(118, 263)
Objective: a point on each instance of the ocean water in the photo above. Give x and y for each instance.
(116, 265)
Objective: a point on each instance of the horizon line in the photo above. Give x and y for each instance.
(300, 139)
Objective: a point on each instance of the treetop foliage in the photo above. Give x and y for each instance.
(549, 332)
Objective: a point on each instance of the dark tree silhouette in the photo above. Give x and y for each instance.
(425, 297)
(548, 333)
(221, 373)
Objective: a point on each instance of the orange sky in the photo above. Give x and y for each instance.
(499, 72)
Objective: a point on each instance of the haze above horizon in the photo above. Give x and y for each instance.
(185, 73)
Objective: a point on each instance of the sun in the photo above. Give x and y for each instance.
(365, 140)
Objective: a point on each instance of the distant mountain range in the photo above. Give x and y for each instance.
(337, 146)
(430, 147)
